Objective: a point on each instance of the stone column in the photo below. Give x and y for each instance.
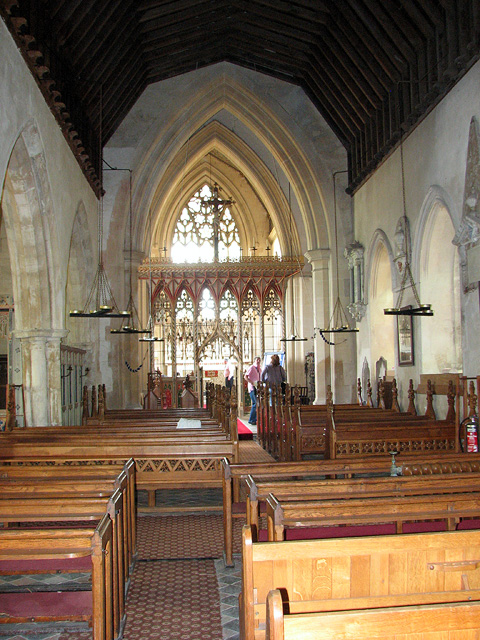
(319, 260)
(41, 376)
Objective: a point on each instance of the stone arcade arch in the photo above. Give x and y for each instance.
(36, 279)
(380, 296)
(439, 282)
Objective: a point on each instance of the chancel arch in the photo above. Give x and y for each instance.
(264, 119)
(439, 285)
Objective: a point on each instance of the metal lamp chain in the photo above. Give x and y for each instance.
(407, 274)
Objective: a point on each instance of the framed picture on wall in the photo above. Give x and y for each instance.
(405, 339)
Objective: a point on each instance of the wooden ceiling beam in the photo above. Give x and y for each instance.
(96, 69)
(417, 19)
(77, 25)
(399, 31)
(100, 30)
(154, 10)
(352, 28)
(286, 64)
(360, 60)
(388, 45)
(433, 10)
(357, 73)
(286, 20)
(187, 20)
(63, 14)
(342, 110)
(336, 83)
(114, 73)
(313, 12)
(122, 107)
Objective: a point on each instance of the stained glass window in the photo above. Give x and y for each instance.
(193, 238)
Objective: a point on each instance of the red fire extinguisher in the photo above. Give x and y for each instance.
(470, 440)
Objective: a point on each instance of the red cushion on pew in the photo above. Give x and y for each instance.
(53, 565)
(424, 527)
(239, 507)
(340, 532)
(309, 533)
(48, 606)
(468, 524)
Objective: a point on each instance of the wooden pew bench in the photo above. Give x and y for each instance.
(411, 438)
(297, 490)
(371, 515)
(357, 573)
(63, 511)
(308, 426)
(422, 622)
(167, 461)
(40, 480)
(234, 474)
(57, 550)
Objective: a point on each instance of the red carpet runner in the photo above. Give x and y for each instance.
(244, 432)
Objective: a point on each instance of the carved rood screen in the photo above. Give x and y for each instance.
(208, 312)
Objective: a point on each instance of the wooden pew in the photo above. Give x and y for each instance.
(422, 622)
(298, 490)
(59, 548)
(233, 474)
(161, 462)
(357, 573)
(369, 516)
(63, 508)
(70, 475)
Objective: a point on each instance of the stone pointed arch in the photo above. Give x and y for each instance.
(80, 260)
(37, 276)
(284, 140)
(30, 225)
(190, 168)
(439, 283)
(378, 243)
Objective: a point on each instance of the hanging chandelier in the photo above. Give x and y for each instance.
(338, 321)
(100, 301)
(407, 277)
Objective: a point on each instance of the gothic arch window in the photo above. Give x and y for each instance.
(272, 320)
(184, 314)
(206, 316)
(228, 313)
(193, 236)
(251, 338)
(163, 317)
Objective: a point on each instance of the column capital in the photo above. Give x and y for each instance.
(40, 334)
(317, 255)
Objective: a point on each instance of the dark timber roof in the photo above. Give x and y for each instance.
(373, 68)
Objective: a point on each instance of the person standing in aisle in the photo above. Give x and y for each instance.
(229, 374)
(274, 374)
(252, 376)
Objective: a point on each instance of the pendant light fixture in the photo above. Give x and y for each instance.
(131, 325)
(407, 278)
(100, 301)
(338, 322)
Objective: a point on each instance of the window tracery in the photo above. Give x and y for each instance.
(193, 237)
